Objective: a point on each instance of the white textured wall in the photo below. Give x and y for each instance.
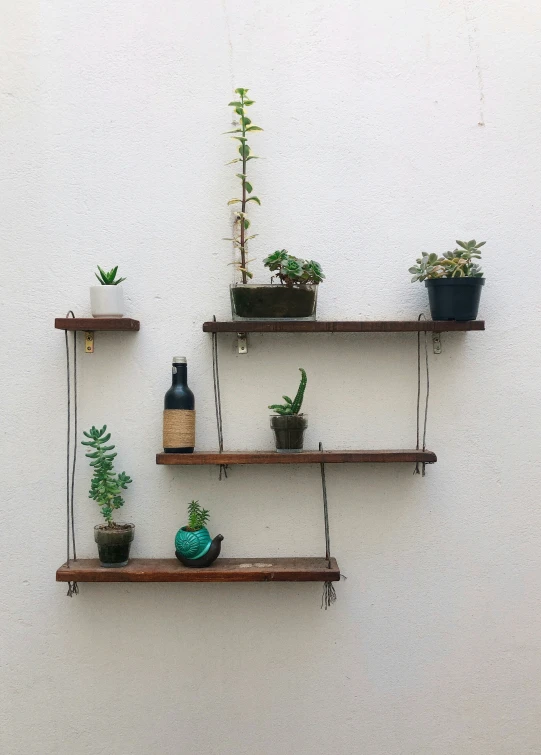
(390, 127)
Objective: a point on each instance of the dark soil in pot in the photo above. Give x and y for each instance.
(289, 431)
(454, 298)
(274, 301)
(114, 544)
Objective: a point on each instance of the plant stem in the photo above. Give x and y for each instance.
(243, 205)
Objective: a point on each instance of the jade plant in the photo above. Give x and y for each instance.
(293, 271)
(242, 223)
(106, 484)
(108, 279)
(459, 263)
(292, 407)
(197, 517)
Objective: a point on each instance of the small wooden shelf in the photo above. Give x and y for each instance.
(96, 323)
(341, 326)
(304, 457)
(222, 570)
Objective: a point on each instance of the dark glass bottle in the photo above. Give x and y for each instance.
(179, 412)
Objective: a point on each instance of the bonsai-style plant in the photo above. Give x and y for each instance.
(453, 280)
(193, 544)
(107, 299)
(292, 271)
(113, 539)
(290, 424)
(297, 297)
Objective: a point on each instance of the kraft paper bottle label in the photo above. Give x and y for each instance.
(179, 428)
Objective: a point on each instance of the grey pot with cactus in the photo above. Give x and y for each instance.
(288, 424)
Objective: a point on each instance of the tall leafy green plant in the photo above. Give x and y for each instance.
(106, 484)
(242, 223)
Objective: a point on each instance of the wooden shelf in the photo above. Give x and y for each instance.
(304, 457)
(222, 570)
(96, 323)
(340, 326)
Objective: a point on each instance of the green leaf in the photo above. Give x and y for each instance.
(246, 223)
(241, 175)
(248, 102)
(235, 104)
(254, 199)
(248, 186)
(235, 131)
(462, 244)
(239, 110)
(234, 201)
(236, 160)
(253, 157)
(254, 128)
(240, 138)
(240, 90)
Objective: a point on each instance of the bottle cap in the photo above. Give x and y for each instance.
(180, 360)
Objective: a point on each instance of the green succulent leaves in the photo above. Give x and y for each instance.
(197, 516)
(242, 223)
(108, 279)
(457, 264)
(292, 407)
(292, 270)
(106, 485)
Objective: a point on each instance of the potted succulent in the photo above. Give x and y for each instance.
(193, 544)
(113, 539)
(288, 424)
(454, 281)
(294, 295)
(107, 299)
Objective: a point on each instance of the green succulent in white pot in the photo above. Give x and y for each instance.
(107, 299)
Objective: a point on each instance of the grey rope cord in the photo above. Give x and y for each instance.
(329, 593)
(218, 399)
(417, 471)
(73, 588)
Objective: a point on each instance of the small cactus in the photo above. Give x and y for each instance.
(292, 407)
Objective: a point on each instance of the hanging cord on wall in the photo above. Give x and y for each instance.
(73, 588)
(329, 593)
(218, 399)
(417, 470)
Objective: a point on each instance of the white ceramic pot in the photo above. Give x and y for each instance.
(107, 301)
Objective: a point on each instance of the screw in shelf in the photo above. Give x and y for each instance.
(436, 342)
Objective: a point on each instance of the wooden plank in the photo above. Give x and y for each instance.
(340, 326)
(96, 323)
(304, 457)
(222, 570)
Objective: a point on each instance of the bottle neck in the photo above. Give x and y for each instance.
(180, 374)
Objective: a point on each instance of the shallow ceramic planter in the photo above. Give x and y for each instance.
(273, 302)
(107, 301)
(289, 431)
(194, 548)
(114, 544)
(454, 298)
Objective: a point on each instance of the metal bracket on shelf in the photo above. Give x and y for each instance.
(89, 341)
(242, 343)
(436, 342)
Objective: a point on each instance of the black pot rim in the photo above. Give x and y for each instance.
(454, 282)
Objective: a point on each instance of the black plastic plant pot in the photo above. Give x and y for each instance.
(273, 302)
(289, 432)
(114, 544)
(454, 298)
